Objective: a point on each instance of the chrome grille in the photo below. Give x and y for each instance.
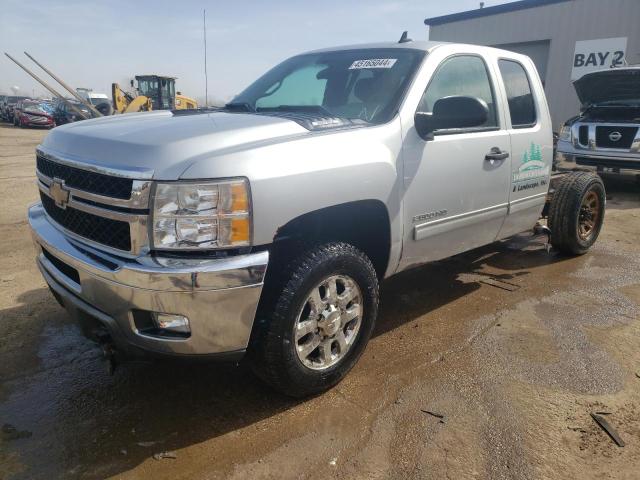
(106, 208)
(623, 138)
(606, 137)
(88, 181)
(112, 233)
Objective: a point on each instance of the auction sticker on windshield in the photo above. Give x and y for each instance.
(373, 63)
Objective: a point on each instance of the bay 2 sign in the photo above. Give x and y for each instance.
(602, 53)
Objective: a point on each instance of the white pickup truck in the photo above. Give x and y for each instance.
(264, 227)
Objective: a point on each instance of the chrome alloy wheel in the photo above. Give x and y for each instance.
(328, 323)
(589, 215)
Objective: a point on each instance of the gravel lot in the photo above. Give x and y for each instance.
(513, 346)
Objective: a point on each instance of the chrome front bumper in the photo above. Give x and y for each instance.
(218, 296)
(569, 158)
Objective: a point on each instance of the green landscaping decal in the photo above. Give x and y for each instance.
(532, 165)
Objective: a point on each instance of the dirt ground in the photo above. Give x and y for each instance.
(512, 345)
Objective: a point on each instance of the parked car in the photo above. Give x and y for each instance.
(33, 113)
(605, 136)
(265, 227)
(7, 112)
(63, 113)
(17, 108)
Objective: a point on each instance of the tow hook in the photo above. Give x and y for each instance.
(110, 356)
(540, 229)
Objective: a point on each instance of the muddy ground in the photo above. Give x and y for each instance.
(513, 346)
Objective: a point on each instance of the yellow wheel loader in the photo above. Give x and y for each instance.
(154, 92)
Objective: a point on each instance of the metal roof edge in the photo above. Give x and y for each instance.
(487, 11)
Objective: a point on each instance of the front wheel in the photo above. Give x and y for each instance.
(576, 213)
(320, 321)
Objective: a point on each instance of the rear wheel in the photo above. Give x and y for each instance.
(576, 213)
(320, 322)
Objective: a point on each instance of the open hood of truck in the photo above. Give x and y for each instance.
(162, 145)
(614, 85)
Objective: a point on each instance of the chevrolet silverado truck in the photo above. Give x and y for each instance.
(263, 228)
(606, 134)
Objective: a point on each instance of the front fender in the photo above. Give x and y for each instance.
(318, 170)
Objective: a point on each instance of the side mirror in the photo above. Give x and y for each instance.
(456, 111)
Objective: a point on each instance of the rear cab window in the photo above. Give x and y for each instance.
(519, 94)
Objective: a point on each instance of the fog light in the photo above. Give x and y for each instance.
(171, 323)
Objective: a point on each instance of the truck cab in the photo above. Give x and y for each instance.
(262, 229)
(161, 90)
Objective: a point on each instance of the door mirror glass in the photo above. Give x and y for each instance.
(453, 112)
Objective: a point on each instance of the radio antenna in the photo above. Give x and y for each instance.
(206, 78)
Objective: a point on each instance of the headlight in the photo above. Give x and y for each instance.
(565, 133)
(189, 216)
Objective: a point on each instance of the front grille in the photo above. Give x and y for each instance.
(583, 135)
(625, 141)
(88, 181)
(112, 233)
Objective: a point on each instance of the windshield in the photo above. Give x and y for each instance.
(365, 84)
(98, 100)
(77, 105)
(36, 107)
(148, 87)
(46, 107)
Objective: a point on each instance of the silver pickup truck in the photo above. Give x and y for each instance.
(264, 227)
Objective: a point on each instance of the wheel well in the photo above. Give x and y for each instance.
(364, 224)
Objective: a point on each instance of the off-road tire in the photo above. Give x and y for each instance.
(272, 353)
(565, 210)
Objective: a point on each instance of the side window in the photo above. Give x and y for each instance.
(521, 104)
(465, 75)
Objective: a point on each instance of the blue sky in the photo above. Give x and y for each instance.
(94, 43)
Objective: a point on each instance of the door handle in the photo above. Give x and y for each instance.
(496, 154)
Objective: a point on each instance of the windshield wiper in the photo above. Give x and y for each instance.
(242, 106)
(298, 108)
(616, 103)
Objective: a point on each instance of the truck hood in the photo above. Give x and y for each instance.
(162, 145)
(614, 85)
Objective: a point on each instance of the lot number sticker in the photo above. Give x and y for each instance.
(373, 63)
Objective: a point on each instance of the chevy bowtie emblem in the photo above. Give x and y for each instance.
(59, 193)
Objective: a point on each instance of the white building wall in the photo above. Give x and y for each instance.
(561, 24)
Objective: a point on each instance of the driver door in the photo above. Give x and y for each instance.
(456, 192)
